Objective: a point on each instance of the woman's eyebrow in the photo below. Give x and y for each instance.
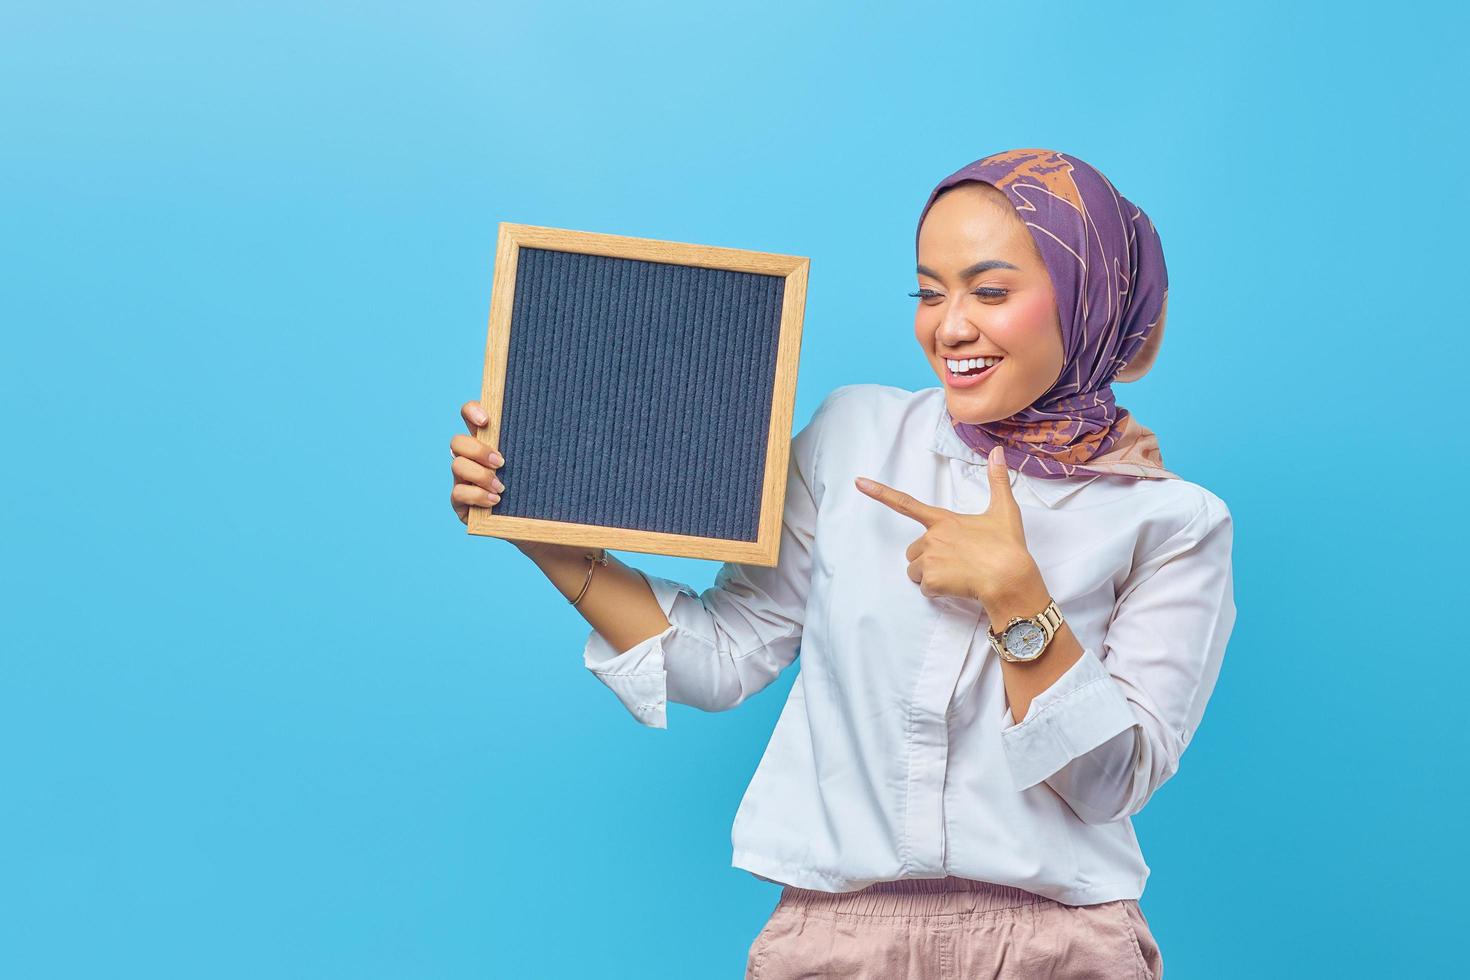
(978, 267)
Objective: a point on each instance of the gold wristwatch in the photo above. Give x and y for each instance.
(1025, 637)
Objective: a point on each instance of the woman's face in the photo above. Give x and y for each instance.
(984, 290)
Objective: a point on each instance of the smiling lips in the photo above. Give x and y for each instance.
(956, 380)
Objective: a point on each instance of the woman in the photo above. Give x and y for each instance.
(1011, 615)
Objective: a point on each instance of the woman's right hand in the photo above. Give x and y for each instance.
(474, 465)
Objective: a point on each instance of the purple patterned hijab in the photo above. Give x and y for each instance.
(1107, 268)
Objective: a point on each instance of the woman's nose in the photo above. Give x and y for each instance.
(955, 330)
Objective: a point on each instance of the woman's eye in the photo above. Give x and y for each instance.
(985, 292)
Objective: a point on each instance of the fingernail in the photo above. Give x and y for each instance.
(480, 417)
(497, 459)
(499, 486)
(864, 484)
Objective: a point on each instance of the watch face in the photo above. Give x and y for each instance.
(1024, 640)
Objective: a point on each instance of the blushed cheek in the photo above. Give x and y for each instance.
(1024, 323)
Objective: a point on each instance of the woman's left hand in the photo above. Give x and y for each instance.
(971, 556)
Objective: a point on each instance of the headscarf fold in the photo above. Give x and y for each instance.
(1107, 269)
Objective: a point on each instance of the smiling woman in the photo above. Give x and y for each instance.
(1009, 615)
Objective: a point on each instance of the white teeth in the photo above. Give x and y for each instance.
(974, 362)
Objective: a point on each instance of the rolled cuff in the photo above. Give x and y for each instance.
(1080, 711)
(637, 675)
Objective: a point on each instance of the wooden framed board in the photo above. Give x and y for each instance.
(641, 392)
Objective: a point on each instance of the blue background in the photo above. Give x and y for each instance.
(266, 710)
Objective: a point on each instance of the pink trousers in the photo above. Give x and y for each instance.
(950, 929)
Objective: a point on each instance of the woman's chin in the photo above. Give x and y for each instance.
(973, 408)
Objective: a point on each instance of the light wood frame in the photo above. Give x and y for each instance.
(764, 550)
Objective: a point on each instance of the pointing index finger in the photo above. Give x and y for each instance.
(905, 504)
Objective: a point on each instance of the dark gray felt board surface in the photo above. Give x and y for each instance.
(638, 394)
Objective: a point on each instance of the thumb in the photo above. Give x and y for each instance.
(1001, 498)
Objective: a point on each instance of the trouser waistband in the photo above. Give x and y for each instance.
(914, 896)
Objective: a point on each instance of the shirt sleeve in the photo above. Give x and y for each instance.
(1110, 731)
(734, 638)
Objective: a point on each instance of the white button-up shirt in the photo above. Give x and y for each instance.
(896, 754)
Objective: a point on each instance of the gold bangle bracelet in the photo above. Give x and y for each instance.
(598, 557)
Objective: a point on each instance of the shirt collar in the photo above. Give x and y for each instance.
(947, 442)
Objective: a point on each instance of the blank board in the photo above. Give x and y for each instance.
(641, 392)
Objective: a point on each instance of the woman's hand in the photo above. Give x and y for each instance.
(971, 556)
(473, 464)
